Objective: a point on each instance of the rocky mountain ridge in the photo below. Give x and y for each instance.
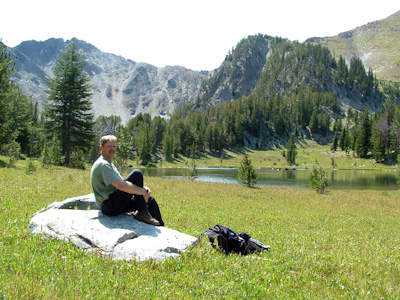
(238, 74)
(120, 86)
(125, 88)
(377, 44)
(266, 67)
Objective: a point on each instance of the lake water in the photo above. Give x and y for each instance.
(338, 179)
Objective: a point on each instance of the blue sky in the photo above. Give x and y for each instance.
(190, 33)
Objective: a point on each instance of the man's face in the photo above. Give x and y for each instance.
(108, 149)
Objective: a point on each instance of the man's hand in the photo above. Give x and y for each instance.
(148, 190)
(146, 197)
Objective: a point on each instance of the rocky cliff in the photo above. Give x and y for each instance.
(238, 73)
(120, 86)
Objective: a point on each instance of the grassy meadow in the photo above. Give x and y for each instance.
(309, 154)
(344, 244)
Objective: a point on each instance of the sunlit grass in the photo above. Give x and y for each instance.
(309, 154)
(345, 244)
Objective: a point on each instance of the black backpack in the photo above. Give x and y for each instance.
(230, 241)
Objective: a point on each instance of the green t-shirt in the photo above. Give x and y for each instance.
(102, 175)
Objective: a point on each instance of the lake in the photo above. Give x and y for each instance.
(338, 179)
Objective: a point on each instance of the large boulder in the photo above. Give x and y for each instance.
(79, 221)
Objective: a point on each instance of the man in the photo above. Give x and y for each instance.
(115, 195)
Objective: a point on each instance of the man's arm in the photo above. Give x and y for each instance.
(129, 187)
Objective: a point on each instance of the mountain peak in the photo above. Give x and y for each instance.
(120, 86)
(376, 43)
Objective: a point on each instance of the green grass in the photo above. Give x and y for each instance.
(309, 154)
(345, 244)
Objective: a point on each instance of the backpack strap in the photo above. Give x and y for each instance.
(213, 233)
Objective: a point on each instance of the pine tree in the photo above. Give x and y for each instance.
(15, 110)
(6, 69)
(342, 71)
(68, 115)
(314, 122)
(247, 174)
(168, 145)
(318, 180)
(362, 144)
(124, 148)
(145, 147)
(378, 142)
(342, 139)
(380, 138)
(291, 151)
(334, 143)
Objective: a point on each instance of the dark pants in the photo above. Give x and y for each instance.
(120, 202)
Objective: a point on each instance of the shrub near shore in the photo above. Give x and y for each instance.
(343, 244)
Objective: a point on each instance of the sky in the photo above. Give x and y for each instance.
(190, 33)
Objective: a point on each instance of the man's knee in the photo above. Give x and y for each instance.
(136, 177)
(151, 201)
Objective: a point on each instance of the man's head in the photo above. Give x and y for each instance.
(108, 146)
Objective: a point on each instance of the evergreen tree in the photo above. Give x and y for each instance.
(157, 129)
(314, 122)
(342, 71)
(6, 69)
(318, 180)
(334, 143)
(68, 115)
(362, 144)
(378, 142)
(145, 147)
(19, 118)
(15, 110)
(123, 151)
(380, 137)
(247, 174)
(167, 145)
(344, 139)
(291, 151)
(51, 153)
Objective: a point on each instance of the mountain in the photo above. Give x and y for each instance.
(377, 44)
(267, 67)
(259, 64)
(238, 73)
(120, 86)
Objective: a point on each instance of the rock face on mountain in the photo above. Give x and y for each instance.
(238, 74)
(120, 86)
(376, 43)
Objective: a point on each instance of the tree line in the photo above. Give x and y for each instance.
(288, 103)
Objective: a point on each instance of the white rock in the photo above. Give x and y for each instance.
(119, 237)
